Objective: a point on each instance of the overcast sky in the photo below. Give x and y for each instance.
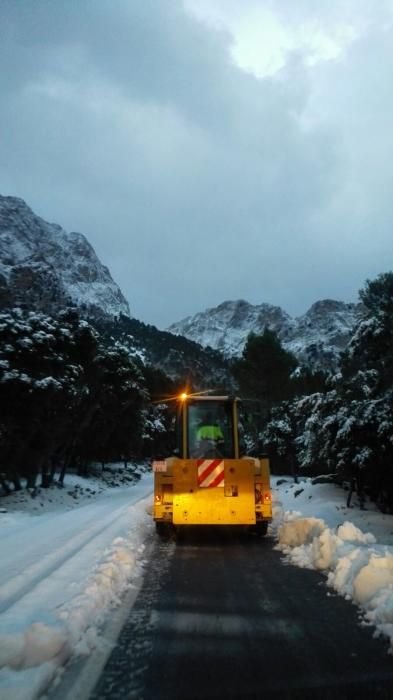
(208, 149)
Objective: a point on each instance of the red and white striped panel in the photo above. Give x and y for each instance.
(210, 472)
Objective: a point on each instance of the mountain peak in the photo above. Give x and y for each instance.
(42, 265)
(316, 338)
(327, 306)
(226, 327)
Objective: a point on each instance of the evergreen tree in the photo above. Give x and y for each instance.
(264, 370)
(371, 347)
(64, 397)
(349, 428)
(377, 296)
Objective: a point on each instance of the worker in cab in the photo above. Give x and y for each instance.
(209, 438)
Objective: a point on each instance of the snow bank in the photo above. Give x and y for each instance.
(357, 567)
(39, 643)
(328, 502)
(300, 531)
(31, 658)
(103, 591)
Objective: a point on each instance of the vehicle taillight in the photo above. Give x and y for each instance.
(158, 498)
(267, 498)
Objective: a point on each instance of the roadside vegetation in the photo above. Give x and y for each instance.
(346, 427)
(68, 399)
(73, 394)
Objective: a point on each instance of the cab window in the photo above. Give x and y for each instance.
(210, 429)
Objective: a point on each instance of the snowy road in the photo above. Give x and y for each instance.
(60, 574)
(59, 546)
(220, 616)
(206, 616)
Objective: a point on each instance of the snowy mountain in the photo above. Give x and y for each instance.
(316, 338)
(45, 268)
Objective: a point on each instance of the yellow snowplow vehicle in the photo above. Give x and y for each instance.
(210, 480)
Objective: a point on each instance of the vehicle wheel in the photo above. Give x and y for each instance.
(179, 533)
(163, 529)
(261, 529)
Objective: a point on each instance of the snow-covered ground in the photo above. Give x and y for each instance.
(67, 556)
(353, 547)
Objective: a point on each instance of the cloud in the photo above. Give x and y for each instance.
(194, 180)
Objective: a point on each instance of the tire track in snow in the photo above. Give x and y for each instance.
(23, 583)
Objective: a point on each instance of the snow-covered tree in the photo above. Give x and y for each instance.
(349, 428)
(264, 370)
(64, 396)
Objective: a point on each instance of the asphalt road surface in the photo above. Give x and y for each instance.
(221, 616)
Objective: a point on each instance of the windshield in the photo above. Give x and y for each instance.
(210, 429)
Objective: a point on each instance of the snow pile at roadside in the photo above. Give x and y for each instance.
(357, 566)
(60, 615)
(327, 501)
(103, 590)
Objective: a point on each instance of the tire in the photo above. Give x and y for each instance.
(260, 529)
(161, 528)
(164, 529)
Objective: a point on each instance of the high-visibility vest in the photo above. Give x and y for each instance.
(209, 432)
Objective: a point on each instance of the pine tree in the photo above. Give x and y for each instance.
(65, 397)
(264, 370)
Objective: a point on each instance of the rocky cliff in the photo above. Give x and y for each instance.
(45, 268)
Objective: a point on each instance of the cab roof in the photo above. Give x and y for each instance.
(211, 398)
